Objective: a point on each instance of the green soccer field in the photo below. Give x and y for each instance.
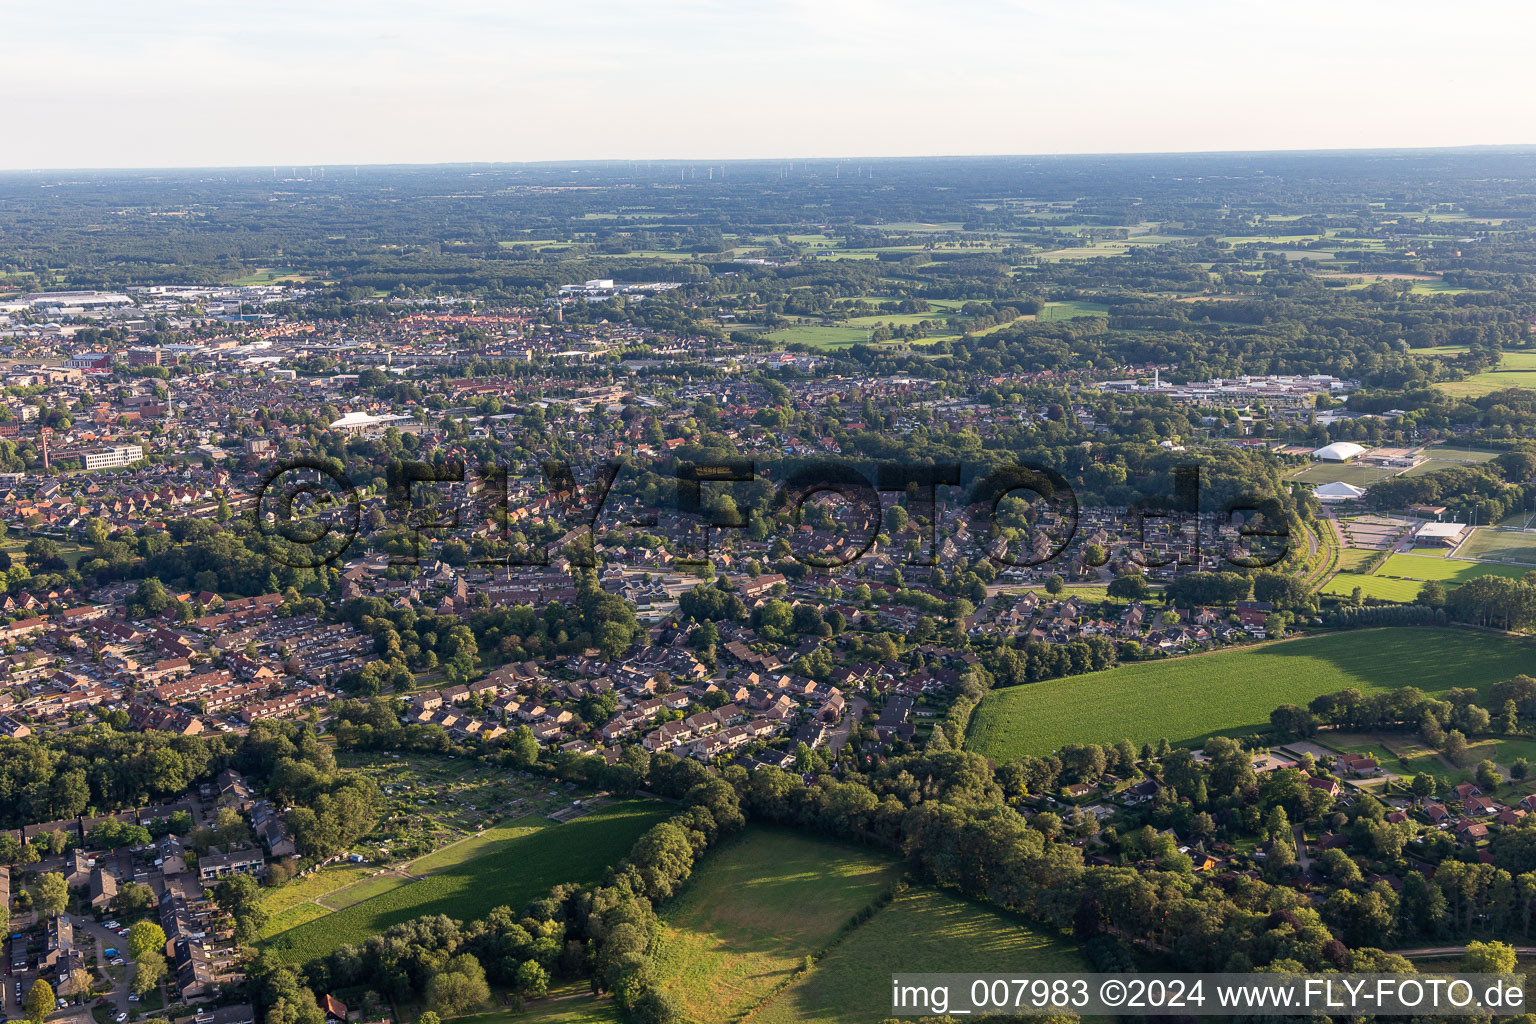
(1383, 587)
(1446, 570)
(1501, 546)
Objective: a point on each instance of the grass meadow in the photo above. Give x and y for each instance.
(753, 911)
(924, 930)
(581, 1009)
(508, 865)
(1187, 699)
(1516, 370)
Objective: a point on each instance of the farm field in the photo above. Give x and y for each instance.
(1187, 699)
(817, 336)
(1446, 570)
(311, 887)
(474, 877)
(753, 911)
(922, 930)
(1500, 546)
(1516, 370)
(1072, 309)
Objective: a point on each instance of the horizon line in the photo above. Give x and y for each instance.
(723, 161)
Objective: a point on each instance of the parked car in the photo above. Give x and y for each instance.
(116, 961)
(122, 1016)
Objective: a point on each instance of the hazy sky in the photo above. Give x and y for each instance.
(136, 83)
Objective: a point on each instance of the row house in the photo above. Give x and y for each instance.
(282, 706)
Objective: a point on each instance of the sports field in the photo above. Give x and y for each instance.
(508, 865)
(1187, 699)
(1355, 473)
(922, 930)
(753, 911)
(1384, 587)
(1446, 570)
(1353, 558)
(1500, 546)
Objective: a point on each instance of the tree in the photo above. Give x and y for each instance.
(1456, 747)
(1130, 587)
(133, 898)
(460, 988)
(1519, 768)
(1489, 958)
(240, 897)
(40, 1001)
(1431, 594)
(1488, 777)
(429, 1018)
(532, 979)
(523, 747)
(52, 894)
(145, 937)
(1055, 584)
(80, 981)
(656, 1007)
(1423, 785)
(149, 971)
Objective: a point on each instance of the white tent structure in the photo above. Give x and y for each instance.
(1339, 491)
(1340, 451)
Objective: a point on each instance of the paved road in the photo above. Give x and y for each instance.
(104, 940)
(1440, 951)
(854, 713)
(1302, 860)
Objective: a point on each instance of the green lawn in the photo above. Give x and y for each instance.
(923, 930)
(1187, 699)
(1384, 587)
(1501, 546)
(1446, 570)
(1453, 453)
(753, 911)
(519, 863)
(1355, 473)
(303, 890)
(1354, 558)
